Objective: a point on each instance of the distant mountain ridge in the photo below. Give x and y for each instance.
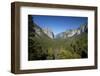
(65, 34)
(70, 33)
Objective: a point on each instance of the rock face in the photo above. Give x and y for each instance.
(73, 32)
(48, 32)
(43, 32)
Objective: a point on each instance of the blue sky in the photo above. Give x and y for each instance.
(59, 24)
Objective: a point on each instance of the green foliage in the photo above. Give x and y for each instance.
(66, 54)
(35, 49)
(80, 45)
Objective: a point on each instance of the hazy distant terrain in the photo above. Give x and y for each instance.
(44, 45)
